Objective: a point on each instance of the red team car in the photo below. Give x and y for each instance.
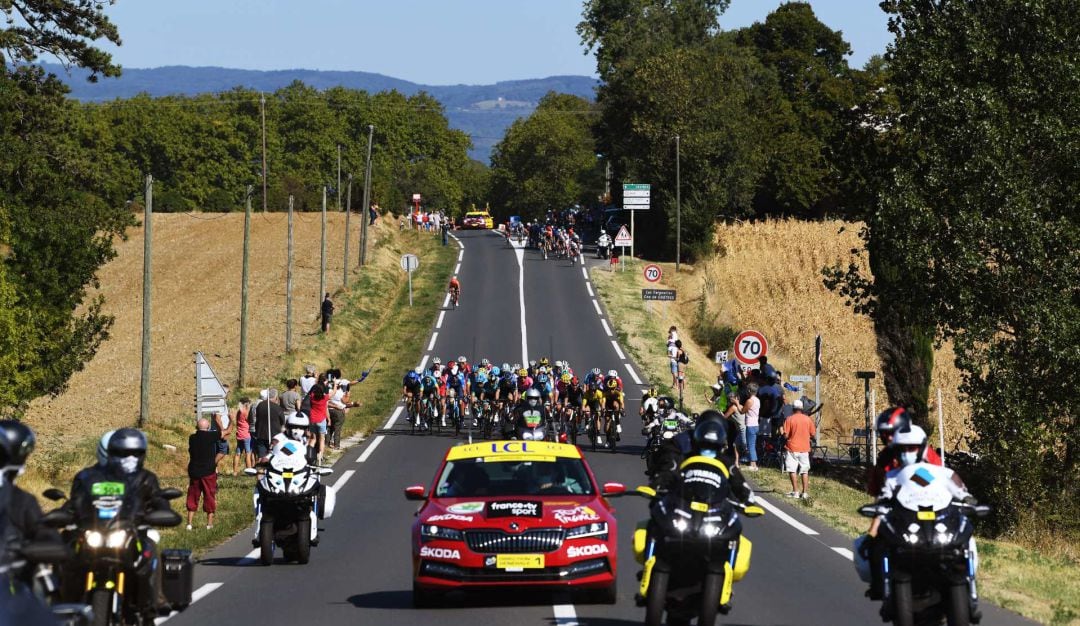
(513, 513)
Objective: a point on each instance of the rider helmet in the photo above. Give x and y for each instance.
(462, 359)
(910, 443)
(613, 374)
(612, 383)
(419, 370)
(892, 420)
(558, 364)
(127, 450)
(596, 371)
(566, 377)
(506, 367)
(662, 405)
(496, 371)
(532, 364)
(103, 448)
(544, 361)
(523, 372)
(436, 361)
(710, 436)
(296, 426)
(485, 363)
(574, 381)
(532, 398)
(16, 443)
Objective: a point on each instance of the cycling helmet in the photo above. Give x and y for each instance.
(613, 374)
(296, 426)
(16, 443)
(436, 361)
(910, 442)
(532, 398)
(496, 371)
(523, 372)
(462, 359)
(892, 420)
(418, 370)
(103, 448)
(485, 363)
(542, 370)
(481, 376)
(516, 367)
(596, 371)
(506, 367)
(532, 363)
(558, 364)
(575, 381)
(710, 437)
(127, 450)
(566, 378)
(544, 361)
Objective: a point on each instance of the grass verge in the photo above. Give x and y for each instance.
(1033, 583)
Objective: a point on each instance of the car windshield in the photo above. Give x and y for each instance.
(479, 477)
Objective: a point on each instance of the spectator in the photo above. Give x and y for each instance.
(435, 221)
(268, 421)
(672, 336)
(798, 429)
(339, 402)
(220, 424)
(319, 397)
(327, 312)
(308, 380)
(736, 425)
(290, 400)
(751, 409)
(202, 472)
(243, 436)
(673, 361)
(373, 213)
(681, 361)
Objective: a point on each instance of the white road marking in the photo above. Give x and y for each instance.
(584, 273)
(457, 268)
(446, 300)
(607, 329)
(618, 350)
(423, 362)
(844, 552)
(460, 255)
(371, 448)
(442, 314)
(596, 306)
(520, 254)
(431, 344)
(393, 418)
(345, 476)
(196, 595)
(784, 517)
(633, 374)
(589, 287)
(249, 558)
(581, 257)
(565, 615)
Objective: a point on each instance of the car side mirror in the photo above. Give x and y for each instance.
(415, 492)
(58, 519)
(54, 494)
(170, 493)
(613, 490)
(163, 518)
(45, 552)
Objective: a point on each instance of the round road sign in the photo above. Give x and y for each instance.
(653, 273)
(409, 262)
(750, 346)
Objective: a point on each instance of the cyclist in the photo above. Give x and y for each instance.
(507, 391)
(649, 405)
(593, 408)
(594, 376)
(613, 399)
(477, 381)
(455, 290)
(490, 389)
(524, 383)
(542, 383)
(410, 392)
(573, 399)
(455, 381)
(429, 391)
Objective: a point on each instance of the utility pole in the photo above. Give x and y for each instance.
(348, 233)
(322, 255)
(148, 214)
(288, 282)
(339, 178)
(678, 207)
(365, 210)
(244, 290)
(262, 111)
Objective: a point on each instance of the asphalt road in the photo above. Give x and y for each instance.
(361, 573)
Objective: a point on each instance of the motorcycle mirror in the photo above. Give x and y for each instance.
(753, 510)
(323, 471)
(645, 491)
(170, 493)
(163, 517)
(251, 471)
(45, 552)
(54, 494)
(415, 492)
(58, 519)
(613, 490)
(981, 510)
(871, 510)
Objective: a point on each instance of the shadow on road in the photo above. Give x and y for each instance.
(402, 599)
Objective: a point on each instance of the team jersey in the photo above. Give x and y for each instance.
(411, 380)
(573, 395)
(524, 383)
(594, 396)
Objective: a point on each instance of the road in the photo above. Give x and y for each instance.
(514, 306)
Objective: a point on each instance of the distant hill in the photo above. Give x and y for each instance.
(483, 111)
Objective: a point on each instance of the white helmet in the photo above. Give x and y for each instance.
(419, 370)
(103, 448)
(613, 374)
(296, 426)
(912, 436)
(437, 361)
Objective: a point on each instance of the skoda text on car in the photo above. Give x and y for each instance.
(478, 219)
(513, 513)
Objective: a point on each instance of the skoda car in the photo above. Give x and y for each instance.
(513, 513)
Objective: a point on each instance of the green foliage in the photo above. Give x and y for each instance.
(979, 227)
(707, 333)
(547, 160)
(63, 28)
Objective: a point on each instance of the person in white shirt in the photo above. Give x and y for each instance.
(308, 380)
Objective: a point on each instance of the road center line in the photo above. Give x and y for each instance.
(589, 287)
(633, 374)
(791, 521)
(393, 418)
(442, 314)
(431, 344)
(367, 453)
(844, 552)
(345, 476)
(618, 350)
(596, 306)
(565, 615)
(520, 254)
(607, 329)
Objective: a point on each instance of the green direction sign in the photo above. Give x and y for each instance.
(636, 187)
(636, 196)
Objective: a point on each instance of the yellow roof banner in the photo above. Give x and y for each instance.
(518, 450)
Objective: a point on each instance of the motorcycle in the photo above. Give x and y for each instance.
(692, 550)
(290, 499)
(930, 560)
(531, 427)
(604, 246)
(110, 548)
(657, 432)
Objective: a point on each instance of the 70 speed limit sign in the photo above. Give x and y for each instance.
(750, 346)
(652, 273)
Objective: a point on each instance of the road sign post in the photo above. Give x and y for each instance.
(750, 346)
(653, 273)
(623, 239)
(409, 262)
(662, 295)
(635, 198)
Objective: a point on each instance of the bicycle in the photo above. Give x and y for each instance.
(453, 411)
(455, 295)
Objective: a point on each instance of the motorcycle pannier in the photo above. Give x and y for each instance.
(178, 577)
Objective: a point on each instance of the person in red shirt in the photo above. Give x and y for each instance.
(888, 423)
(319, 397)
(798, 430)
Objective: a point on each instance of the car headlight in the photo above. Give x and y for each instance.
(431, 531)
(116, 539)
(596, 529)
(94, 539)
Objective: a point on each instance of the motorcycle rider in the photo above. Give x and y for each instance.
(707, 455)
(889, 422)
(527, 410)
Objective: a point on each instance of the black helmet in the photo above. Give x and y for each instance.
(124, 444)
(892, 420)
(16, 443)
(711, 415)
(710, 436)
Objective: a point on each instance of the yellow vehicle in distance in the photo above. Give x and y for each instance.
(478, 219)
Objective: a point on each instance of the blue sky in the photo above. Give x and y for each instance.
(434, 42)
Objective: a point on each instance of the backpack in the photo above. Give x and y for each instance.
(684, 358)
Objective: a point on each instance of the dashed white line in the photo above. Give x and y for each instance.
(784, 517)
(565, 615)
(367, 453)
(844, 552)
(607, 329)
(460, 255)
(249, 558)
(589, 287)
(196, 595)
(423, 362)
(393, 418)
(618, 350)
(457, 268)
(345, 476)
(633, 374)
(596, 306)
(438, 324)
(446, 300)
(431, 344)
(584, 273)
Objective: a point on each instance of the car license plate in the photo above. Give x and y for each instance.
(518, 562)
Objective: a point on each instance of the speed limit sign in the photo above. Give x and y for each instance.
(750, 346)
(653, 273)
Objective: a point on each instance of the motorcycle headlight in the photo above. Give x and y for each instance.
(596, 529)
(116, 539)
(711, 530)
(680, 524)
(94, 539)
(431, 531)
